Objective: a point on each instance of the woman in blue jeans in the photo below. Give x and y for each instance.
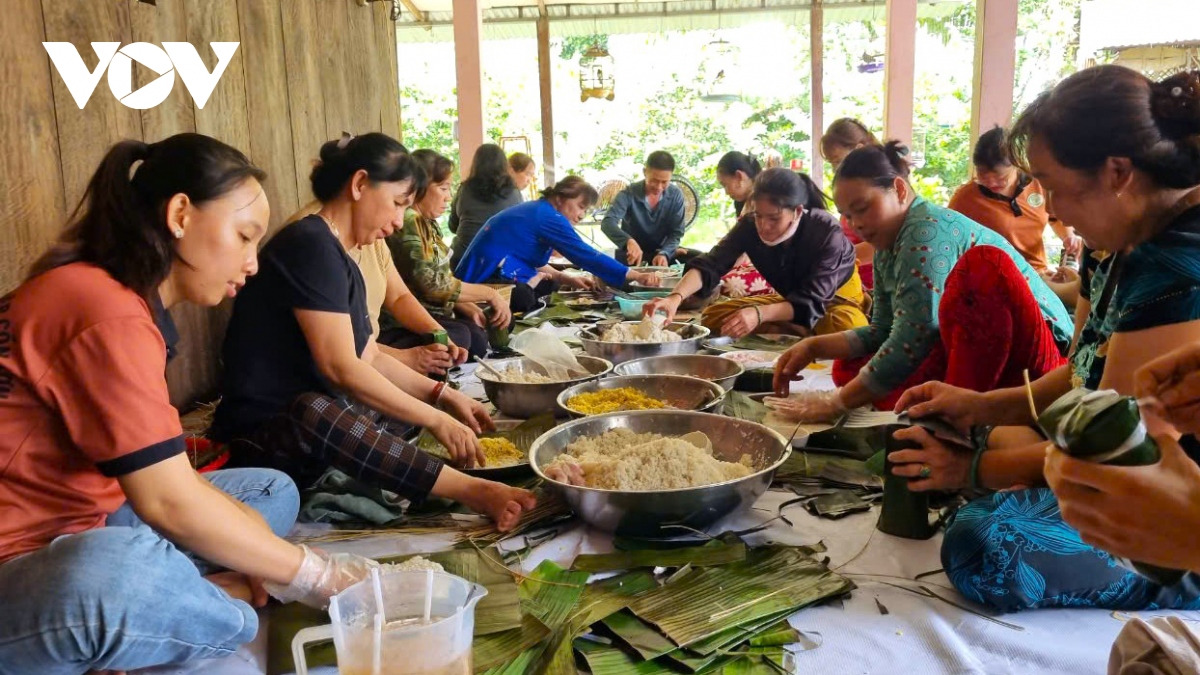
(1117, 154)
(114, 553)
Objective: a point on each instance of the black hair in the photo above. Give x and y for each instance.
(489, 179)
(789, 189)
(879, 164)
(383, 158)
(519, 161)
(1112, 111)
(990, 152)
(733, 162)
(660, 160)
(437, 169)
(572, 187)
(120, 223)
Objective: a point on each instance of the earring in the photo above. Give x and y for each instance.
(178, 233)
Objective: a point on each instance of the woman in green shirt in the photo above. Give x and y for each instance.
(953, 300)
(423, 260)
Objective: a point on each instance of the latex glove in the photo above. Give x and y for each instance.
(322, 576)
(809, 406)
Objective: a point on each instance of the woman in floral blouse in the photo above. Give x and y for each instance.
(423, 260)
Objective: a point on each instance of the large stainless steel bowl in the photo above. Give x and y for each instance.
(668, 512)
(704, 366)
(620, 352)
(517, 399)
(679, 391)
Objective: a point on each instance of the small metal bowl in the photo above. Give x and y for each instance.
(666, 513)
(704, 366)
(681, 391)
(620, 352)
(522, 400)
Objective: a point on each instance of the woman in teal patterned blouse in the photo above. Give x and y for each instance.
(1118, 156)
(953, 299)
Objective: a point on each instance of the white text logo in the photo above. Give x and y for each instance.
(173, 57)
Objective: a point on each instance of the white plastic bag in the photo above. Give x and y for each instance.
(548, 351)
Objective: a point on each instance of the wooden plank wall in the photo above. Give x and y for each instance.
(305, 71)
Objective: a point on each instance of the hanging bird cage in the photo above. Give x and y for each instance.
(597, 75)
(722, 84)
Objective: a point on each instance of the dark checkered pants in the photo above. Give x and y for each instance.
(320, 431)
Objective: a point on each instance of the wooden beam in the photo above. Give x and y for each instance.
(468, 38)
(817, 99)
(900, 70)
(412, 9)
(543, 41)
(542, 8)
(995, 65)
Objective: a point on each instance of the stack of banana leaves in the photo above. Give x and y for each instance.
(714, 607)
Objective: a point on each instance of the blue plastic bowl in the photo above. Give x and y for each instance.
(631, 309)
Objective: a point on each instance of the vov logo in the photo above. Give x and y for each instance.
(173, 57)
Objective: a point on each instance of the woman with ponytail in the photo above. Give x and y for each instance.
(798, 247)
(1119, 156)
(114, 553)
(955, 300)
(841, 138)
(305, 387)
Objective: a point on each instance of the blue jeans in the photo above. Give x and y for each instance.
(122, 597)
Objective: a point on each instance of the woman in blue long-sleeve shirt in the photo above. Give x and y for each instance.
(514, 247)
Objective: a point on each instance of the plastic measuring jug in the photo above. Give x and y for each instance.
(408, 623)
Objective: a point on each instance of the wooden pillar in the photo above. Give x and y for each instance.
(468, 39)
(995, 65)
(816, 33)
(543, 38)
(900, 69)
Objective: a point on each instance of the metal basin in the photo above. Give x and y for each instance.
(620, 352)
(704, 366)
(666, 513)
(521, 400)
(679, 391)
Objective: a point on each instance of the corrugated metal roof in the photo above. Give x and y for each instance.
(1116, 24)
(608, 18)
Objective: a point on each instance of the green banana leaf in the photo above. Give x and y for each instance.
(548, 596)
(742, 407)
(607, 660)
(638, 635)
(771, 580)
(716, 552)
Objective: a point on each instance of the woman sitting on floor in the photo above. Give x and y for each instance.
(305, 388)
(841, 138)
(514, 247)
(953, 299)
(1118, 153)
(114, 553)
(798, 247)
(488, 190)
(736, 172)
(422, 259)
(390, 298)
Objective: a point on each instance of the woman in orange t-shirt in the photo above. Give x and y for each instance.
(1010, 203)
(114, 553)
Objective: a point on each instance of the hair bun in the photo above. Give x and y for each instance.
(1175, 104)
